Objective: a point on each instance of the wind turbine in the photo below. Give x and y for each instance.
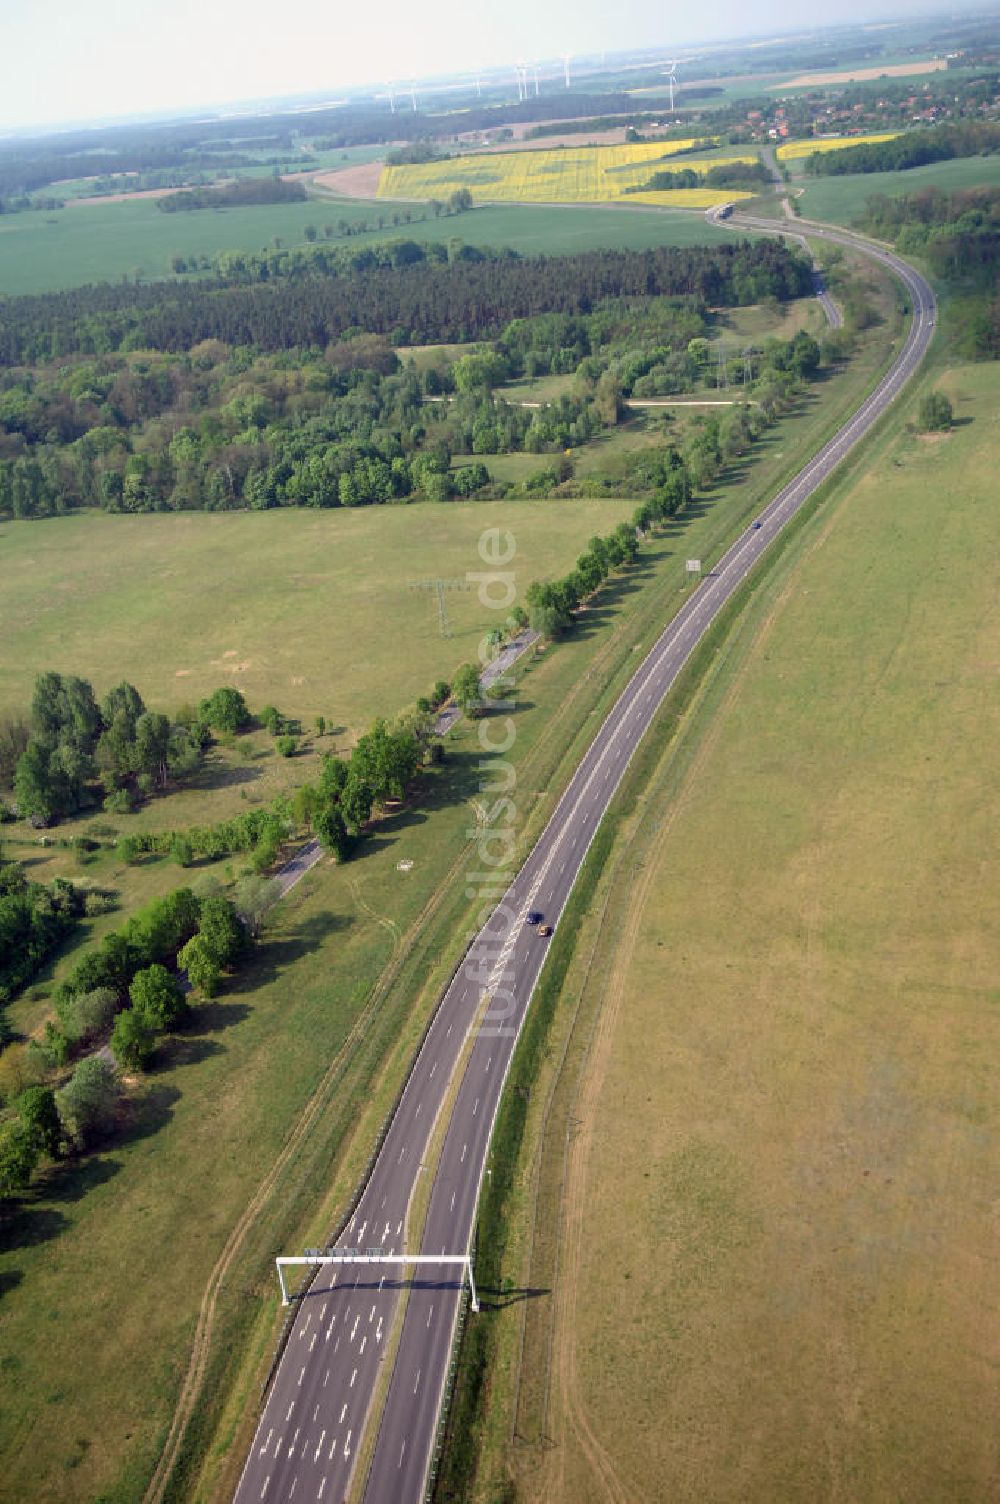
(413, 95)
(534, 67)
(392, 96)
(521, 69)
(671, 81)
(567, 58)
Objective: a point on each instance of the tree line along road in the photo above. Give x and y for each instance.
(322, 1394)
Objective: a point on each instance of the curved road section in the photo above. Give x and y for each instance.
(334, 1363)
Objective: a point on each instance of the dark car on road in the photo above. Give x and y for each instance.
(534, 917)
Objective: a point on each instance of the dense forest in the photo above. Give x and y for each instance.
(405, 291)
(940, 143)
(958, 234)
(346, 424)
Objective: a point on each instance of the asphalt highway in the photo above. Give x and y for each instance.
(307, 1442)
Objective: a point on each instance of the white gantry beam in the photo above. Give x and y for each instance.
(347, 1256)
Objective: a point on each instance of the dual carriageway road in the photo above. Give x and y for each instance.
(322, 1397)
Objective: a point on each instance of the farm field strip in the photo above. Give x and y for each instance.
(585, 175)
(791, 151)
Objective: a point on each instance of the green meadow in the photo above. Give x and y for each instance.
(841, 200)
(105, 242)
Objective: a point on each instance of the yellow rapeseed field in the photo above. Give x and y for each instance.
(789, 151)
(578, 175)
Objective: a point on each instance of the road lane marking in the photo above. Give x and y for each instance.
(353, 1377)
(319, 1446)
(402, 1449)
(342, 1414)
(371, 1314)
(300, 1375)
(430, 1313)
(326, 1378)
(361, 1344)
(267, 1443)
(289, 1415)
(461, 1161)
(267, 1481)
(416, 1382)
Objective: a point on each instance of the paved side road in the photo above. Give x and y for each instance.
(318, 1407)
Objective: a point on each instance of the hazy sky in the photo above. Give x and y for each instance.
(90, 59)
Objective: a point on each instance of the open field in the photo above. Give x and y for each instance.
(305, 613)
(104, 242)
(791, 151)
(586, 174)
(841, 200)
(207, 1130)
(860, 75)
(360, 181)
(774, 1276)
(100, 241)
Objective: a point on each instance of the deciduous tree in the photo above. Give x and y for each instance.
(132, 1040)
(158, 996)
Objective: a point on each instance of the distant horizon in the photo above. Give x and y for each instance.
(230, 60)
